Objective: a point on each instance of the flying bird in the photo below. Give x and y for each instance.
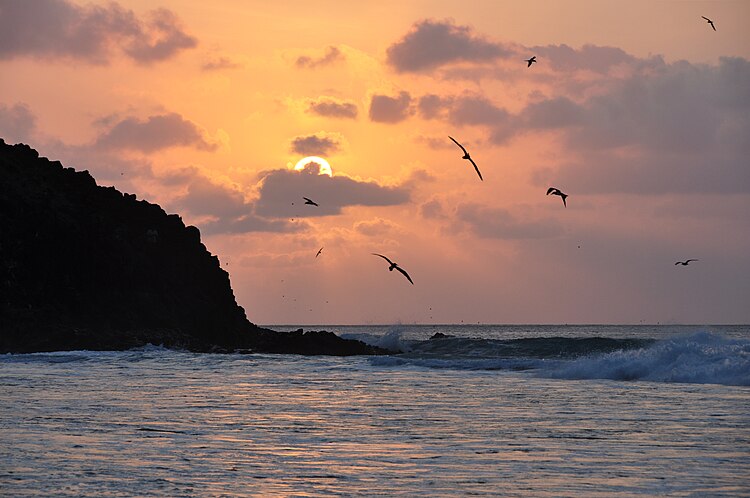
(686, 262)
(319, 251)
(531, 61)
(394, 266)
(709, 21)
(556, 191)
(309, 201)
(467, 157)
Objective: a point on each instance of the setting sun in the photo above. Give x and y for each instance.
(324, 167)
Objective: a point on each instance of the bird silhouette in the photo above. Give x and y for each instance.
(557, 191)
(531, 61)
(709, 21)
(319, 251)
(394, 266)
(467, 157)
(309, 201)
(686, 262)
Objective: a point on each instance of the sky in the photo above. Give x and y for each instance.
(638, 110)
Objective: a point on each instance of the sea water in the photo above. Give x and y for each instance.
(491, 411)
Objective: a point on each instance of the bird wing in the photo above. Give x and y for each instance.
(319, 251)
(706, 18)
(563, 198)
(455, 142)
(529, 62)
(678, 263)
(376, 254)
(551, 190)
(689, 260)
(308, 200)
(405, 274)
(477, 169)
(712, 25)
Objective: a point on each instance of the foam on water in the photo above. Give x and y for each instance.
(701, 358)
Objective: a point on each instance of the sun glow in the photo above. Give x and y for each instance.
(324, 167)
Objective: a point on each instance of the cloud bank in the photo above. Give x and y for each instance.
(61, 29)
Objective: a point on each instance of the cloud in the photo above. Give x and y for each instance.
(477, 110)
(433, 106)
(281, 192)
(498, 223)
(385, 109)
(375, 228)
(332, 108)
(431, 44)
(227, 209)
(154, 133)
(589, 57)
(332, 54)
(59, 28)
(559, 112)
(318, 144)
(219, 63)
(682, 129)
(17, 123)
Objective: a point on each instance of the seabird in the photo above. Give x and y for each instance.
(467, 157)
(394, 266)
(309, 201)
(556, 191)
(686, 262)
(531, 61)
(319, 251)
(709, 21)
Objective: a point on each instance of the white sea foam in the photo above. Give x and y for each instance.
(701, 358)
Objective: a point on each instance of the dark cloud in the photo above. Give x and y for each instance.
(682, 129)
(219, 63)
(558, 112)
(332, 54)
(17, 123)
(204, 197)
(589, 57)
(477, 110)
(385, 109)
(59, 28)
(281, 193)
(431, 44)
(433, 106)
(332, 108)
(317, 144)
(227, 209)
(252, 223)
(156, 132)
(497, 223)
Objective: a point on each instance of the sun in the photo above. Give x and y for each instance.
(324, 167)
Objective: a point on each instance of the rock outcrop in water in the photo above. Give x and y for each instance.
(87, 267)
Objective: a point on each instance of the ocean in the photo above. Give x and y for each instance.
(487, 411)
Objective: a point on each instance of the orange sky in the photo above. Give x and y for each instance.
(638, 110)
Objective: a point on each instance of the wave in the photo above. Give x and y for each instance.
(702, 357)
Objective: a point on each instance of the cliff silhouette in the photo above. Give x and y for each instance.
(88, 267)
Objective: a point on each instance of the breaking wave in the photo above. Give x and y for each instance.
(702, 358)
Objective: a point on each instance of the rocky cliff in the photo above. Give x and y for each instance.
(87, 267)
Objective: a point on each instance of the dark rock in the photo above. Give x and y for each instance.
(86, 267)
(440, 335)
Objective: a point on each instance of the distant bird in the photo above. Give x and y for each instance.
(556, 191)
(319, 251)
(467, 157)
(709, 21)
(394, 266)
(310, 201)
(686, 262)
(530, 61)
